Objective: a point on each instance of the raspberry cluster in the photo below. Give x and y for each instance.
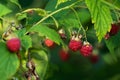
(76, 44)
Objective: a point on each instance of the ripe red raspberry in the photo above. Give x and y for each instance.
(94, 58)
(49, 43)
(64, 55)
(114, 29)
(13, 44)
(86, 49)
(75, 44)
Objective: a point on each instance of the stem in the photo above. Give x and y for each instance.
(44, 18)
(80, 6)
(81, 27)
(55, 21)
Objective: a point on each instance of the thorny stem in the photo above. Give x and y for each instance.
(81, 27)
(44, 18)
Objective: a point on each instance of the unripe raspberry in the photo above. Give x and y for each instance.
(13, 44)
(86, 49)
(49, 43)
(64, 55)
(75, 44)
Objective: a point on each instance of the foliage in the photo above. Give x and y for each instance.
(33, 23)
(101, 16)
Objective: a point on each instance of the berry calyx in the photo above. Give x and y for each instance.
(86, 49)
(64, 55)
(75, 43)
(62, 34)
(13, 44)
(49, 43)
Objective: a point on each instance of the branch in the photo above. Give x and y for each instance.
(44, 18)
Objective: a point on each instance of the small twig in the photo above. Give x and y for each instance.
(81, 27)
(44, 18)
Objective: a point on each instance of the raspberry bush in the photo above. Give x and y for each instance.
(57, 39)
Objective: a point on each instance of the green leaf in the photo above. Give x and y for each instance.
(16, 2)
(46, 31)
(1, 27)
(9, 62)
(21, 32)
(112, 43)
(70, 22)
(101, 17)
(26, 42)
(21, 16)
(4, 10)
(40, 57)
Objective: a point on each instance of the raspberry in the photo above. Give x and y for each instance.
(75, 44)
(13, 44)
(86, 49)
(64, 55)
(94, 58)
(114, 29)
(49, 43)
